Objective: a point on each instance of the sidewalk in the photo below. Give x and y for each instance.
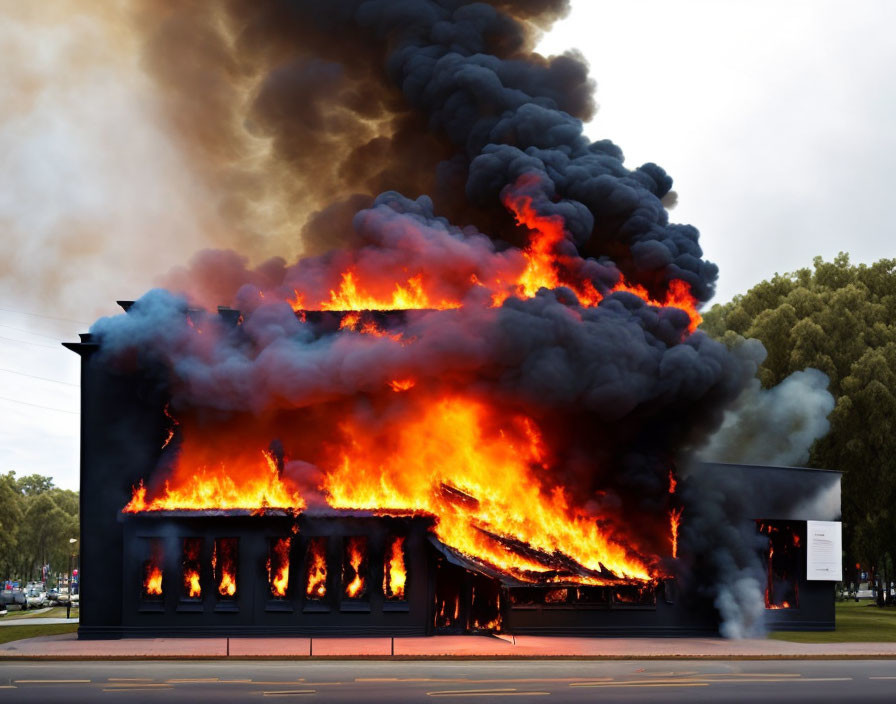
(67, 646)
(34, 621)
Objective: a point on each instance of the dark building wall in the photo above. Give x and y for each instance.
(121, 432)
(254, 611)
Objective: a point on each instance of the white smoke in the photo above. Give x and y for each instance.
(774, 426)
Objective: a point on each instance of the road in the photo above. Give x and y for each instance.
(454, 681)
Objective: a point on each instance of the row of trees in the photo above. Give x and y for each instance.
(839, 318)
(37, 520)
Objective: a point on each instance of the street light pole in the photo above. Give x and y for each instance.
(68, 606)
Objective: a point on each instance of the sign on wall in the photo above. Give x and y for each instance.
(823, 551)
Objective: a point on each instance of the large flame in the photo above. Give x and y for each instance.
(487, 484)
(411, 295)
(247, 481)
(541, 265)
(475, 484)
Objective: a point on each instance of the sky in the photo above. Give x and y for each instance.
(773, 118)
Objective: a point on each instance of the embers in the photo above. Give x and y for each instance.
(618, 596)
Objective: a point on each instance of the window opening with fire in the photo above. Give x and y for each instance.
(192, 547)
(224, 567)
(784, 557)
(278, 567)
(395, 573)
(152, 570)
(355, 568)
(316, 569)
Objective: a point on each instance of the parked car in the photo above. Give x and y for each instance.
(53, 595)
(35, 598)
(13, 597)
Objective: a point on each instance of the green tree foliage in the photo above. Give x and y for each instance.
(37, 520)
(839, 318)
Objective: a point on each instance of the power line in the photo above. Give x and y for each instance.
(36, 405)
(29, 332)
(26, 342)
(42, 378)
(38, 315)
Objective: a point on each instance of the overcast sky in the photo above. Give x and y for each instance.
(774, 118)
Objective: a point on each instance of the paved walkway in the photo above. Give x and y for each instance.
(34, 621)
(68, 646)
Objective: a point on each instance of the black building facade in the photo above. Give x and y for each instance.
(382, 574)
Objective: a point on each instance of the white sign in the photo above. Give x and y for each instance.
(823, 551)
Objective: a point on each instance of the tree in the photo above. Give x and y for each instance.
(839, 318)
(10, 521)
(37, 520)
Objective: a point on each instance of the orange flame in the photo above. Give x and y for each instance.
(152, 585)
(191, 583)
(673, 482)
(191, 567)
(316, 571)
(278, 567)
(409, 296)
(247, 482)
(399, 385)
(541, 255)
(355, 552)
(224, 567)
(395, 574)
(540, 264)
(445, 463)
(674, 522)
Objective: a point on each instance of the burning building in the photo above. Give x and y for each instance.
(467, 413)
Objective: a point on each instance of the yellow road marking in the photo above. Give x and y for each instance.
(287, 692)
(487, 693)
(50, 681)
(469, 691)
(882, 677)
(129, 679)
(136, 685)
(134, 689)
(651, 684)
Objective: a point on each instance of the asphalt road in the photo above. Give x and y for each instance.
(452, 681)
